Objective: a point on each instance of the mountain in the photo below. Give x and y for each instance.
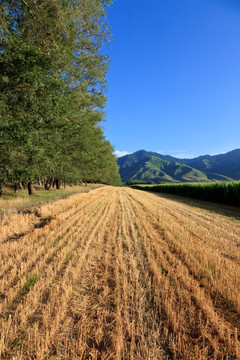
(224, 164)
(146, 165)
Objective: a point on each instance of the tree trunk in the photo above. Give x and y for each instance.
(57, 184)
(30, 188)
(47, 186)
(16, 188)
(48, 183)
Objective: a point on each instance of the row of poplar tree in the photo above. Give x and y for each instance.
(53, 79)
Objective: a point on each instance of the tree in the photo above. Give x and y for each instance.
(52, 90)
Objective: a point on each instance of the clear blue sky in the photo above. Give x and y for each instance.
(174, 82)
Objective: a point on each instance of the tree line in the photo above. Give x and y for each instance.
(52, 92)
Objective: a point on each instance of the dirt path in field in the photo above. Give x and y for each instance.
(121, 274)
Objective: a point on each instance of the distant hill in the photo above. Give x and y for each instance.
(225, 164)
(146, 165)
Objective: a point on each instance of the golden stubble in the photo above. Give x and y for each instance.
(119, 274)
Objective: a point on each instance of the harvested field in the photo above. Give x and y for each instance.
(120, 274)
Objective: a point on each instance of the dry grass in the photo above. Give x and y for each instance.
(10, 202)
(120, 274)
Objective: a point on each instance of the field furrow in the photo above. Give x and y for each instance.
(120, 274)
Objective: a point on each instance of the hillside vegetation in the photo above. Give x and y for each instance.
(225, 164)
(145, 166)
(119, 274)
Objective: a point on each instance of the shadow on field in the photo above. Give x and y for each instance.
(38, 225)
(225, 210)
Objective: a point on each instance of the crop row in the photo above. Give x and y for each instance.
(121, 274)
(222, 192)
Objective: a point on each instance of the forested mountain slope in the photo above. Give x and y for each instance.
(145, 166)
(226, 164)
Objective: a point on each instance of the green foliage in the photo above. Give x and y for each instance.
(143, 166)
(223, 164)
(138, 182)
(53, 78)
(31, 281)
(222, 192)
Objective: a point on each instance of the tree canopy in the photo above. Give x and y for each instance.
(52, 91)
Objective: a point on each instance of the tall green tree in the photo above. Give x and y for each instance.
(53, 77)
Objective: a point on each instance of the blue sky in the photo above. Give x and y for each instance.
(174, 82)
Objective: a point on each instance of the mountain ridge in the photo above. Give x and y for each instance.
(148, 165)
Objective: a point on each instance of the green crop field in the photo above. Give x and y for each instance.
(222, 192)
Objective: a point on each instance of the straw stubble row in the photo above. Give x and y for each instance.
(121, 274)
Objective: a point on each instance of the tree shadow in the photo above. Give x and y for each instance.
(222, 209)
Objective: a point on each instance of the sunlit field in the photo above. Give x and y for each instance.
(118, 273)
(11, 201)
